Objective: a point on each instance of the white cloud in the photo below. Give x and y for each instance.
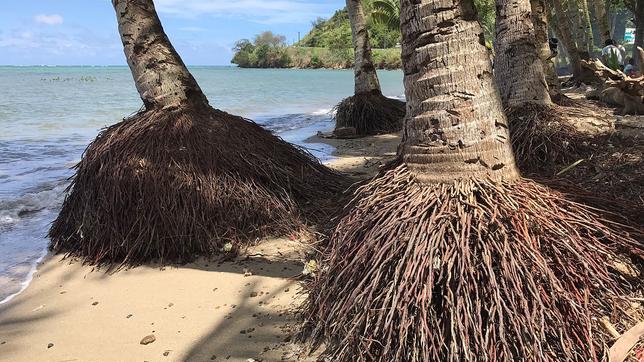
(53, 19)
(262, 11)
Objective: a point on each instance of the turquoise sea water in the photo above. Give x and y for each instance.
(48, 115)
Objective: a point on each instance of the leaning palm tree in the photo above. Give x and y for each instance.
(180, 179)
(448, 254)
(367, 111)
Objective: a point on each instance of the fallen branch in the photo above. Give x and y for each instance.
(620, 350)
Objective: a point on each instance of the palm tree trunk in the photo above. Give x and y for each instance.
(447, 255)
(586, 26)
(366, 78)
(160, 75)
(540, 22)
(574, 10)
(564, 29)
(181, 179)
(601, 14)
(367, 111)
(455, 126)
(518, 67)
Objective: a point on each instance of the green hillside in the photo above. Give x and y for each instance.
(328, 43)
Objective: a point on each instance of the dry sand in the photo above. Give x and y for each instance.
(209, 310)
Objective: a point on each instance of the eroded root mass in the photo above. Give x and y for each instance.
(543, 139)
(473, 270)
(172, 185)
(370, 114)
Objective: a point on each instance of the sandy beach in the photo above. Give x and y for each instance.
(237, 310)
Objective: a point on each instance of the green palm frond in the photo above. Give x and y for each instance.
(386, 12)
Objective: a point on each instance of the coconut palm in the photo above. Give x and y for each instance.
(367, 111)
(517, 65)
(386, 12)
(571, 26)
(540, 21)
(180, 179)
(601, 13)
(585, 27)
(448, 254)
(541, 134)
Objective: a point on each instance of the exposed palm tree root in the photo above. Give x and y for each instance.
(609, 203)
(563, 100)
(543, 138)
(473, 270)
(370, 114)
(174, 184)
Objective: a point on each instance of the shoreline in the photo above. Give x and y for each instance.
(315, 121)
(30, 276)
(234, 310)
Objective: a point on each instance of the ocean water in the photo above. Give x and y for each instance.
(48, 115)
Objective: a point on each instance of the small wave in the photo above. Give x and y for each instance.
(289, 122)
(46, 197)
(323, 112)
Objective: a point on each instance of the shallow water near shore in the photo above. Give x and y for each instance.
(48, 115)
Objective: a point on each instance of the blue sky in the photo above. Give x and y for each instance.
(84, 32)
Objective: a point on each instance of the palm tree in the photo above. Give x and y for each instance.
(585, 27)
(448, 254)
(386, 12)
(541, 133)
(517, 65)
(181, 179)
(601, 13)
(564, 28)
(540, 21)
(367, 111)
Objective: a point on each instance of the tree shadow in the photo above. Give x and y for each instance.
(257, 328)
(19, 315)
(361, 158)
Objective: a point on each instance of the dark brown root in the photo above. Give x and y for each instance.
(614, 170)
(561, 99)
(543, 139)
(473, 270)
(171, 185)
(370, 114)
(609, 202)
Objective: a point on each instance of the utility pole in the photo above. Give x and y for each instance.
(298, 38)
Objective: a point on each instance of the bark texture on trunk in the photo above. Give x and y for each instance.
(586, 26)
(518, 67)
(601, 14)
(574, 12)
(455, 126)
(563, 27)
(366, 78)
(160, 75)
(540, 23)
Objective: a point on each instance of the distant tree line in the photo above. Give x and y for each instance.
(267, 50)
